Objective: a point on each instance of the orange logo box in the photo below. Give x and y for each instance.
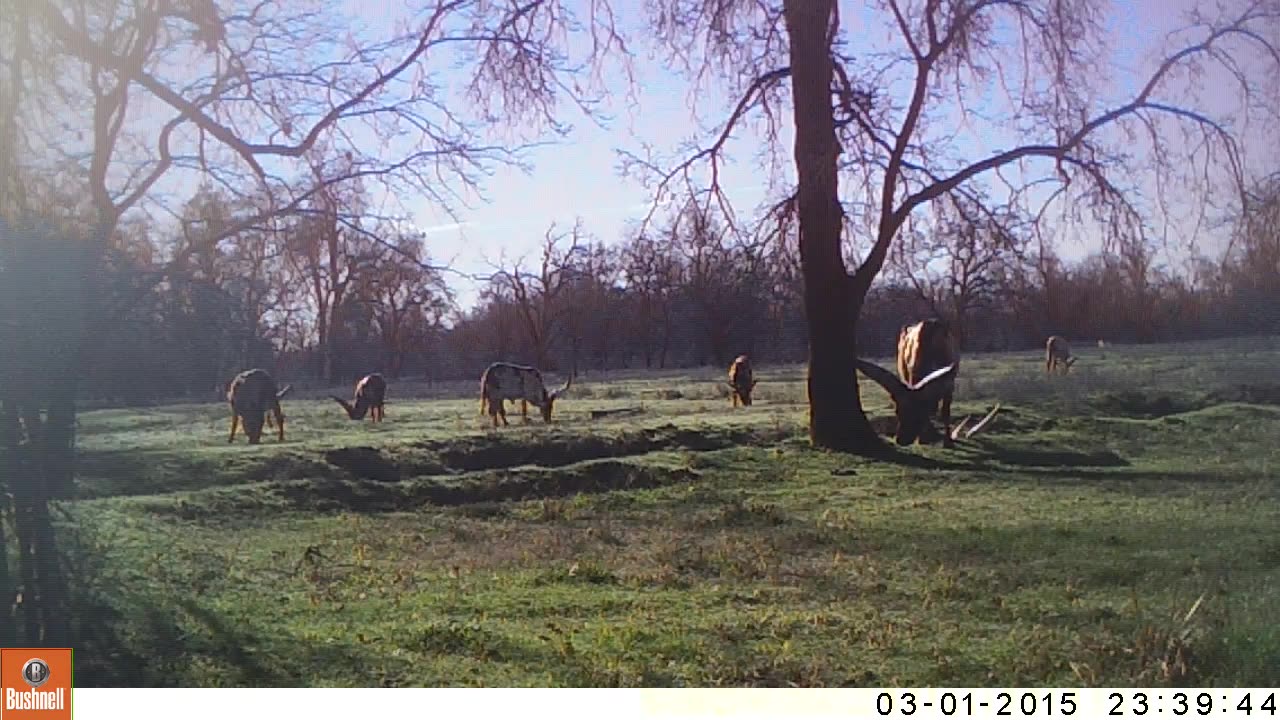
(35, 683)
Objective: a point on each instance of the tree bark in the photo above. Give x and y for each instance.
(836, 418)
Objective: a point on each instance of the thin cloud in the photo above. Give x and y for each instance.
(447, 227)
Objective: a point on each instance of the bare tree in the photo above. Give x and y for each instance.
(706, 254)
(242, 93)
(898, 154)
(408, 297)
(1252, 263)
(590, 311)
(537, 294)
(957, 258)
(652, 274)
(494, 325)
(328, 256)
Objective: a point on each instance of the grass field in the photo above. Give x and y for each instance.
(1117, 526)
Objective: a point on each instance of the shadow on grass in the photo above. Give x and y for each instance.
(989, 457)
(170, 646)
(1045, 456)
(984, 457)
(148, 646)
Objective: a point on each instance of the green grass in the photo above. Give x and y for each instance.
(693, 544)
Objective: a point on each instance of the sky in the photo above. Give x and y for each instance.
(576, 177)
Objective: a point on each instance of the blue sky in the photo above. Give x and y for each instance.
(575, 178)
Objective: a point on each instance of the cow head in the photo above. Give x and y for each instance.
(912, 404)
(253, 420)
(549, 398)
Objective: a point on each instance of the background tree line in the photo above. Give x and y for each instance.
(327, 294)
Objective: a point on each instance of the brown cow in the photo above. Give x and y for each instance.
(928, 363)
(252, 394)
(1057, 353)
(741, 381)
(371, 393)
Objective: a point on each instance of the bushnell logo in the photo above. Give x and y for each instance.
(36, 672)
(36, 683)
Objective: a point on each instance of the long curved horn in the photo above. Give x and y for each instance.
(884, 378)
(351, 410)
(557, 393)
(932, 377)
(933, 385)
(284, 391)
(983, 423)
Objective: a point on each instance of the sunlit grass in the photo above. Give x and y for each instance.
(693, 544)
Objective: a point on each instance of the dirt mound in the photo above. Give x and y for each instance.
(1138, 404)
(592, 477)
(335, 494)
(559, 449)
(364, 462)
(1254, 394)
(1150, 406)
(498, 452)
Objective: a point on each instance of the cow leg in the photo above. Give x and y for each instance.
(524, 409)
(946, 421)
(235, 420)
(279, 422)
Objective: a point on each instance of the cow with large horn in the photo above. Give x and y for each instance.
(252, 395)
(1057, 353)
(928, 363)
(370, 396)
(741, 381)
(503, 381)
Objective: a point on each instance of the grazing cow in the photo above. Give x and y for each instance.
(371, 393)
(1057, 353)
(506, 381)
(741, 381)
(252, 395)
(928, 362)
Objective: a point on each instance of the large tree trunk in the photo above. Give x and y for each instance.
(836, 418)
